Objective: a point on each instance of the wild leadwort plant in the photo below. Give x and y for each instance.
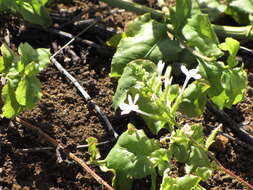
(136, 156)
(185, 39)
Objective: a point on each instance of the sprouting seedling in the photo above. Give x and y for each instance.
(131, 106)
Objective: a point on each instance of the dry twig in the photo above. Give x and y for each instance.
(69, 154)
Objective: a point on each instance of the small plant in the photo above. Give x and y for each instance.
(156, 48)
(21, 89)
(33, 11)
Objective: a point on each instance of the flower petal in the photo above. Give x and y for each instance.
(130, 101)
(160, 67)
(184, 70)
(136, 98)
(197, 76)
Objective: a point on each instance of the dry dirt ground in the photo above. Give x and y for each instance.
(65, 115)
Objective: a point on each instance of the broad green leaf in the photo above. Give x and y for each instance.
(31, 69)
(27, 54)
(28, 91)
(240, 10)
(204, 172)
(212, 73)
(133, 72)
(149, 41)
(213, 8)
(232, 46)
(198, 134)
(187, 182)
(43, 59)
(147, 105)
(7, 58)
(131, 156)
(161, 159)
(200, 35)
(194, 99)
(40, 56)
(34, 11)
(234, 81)
(181, 151)
(227, 85)
(211, 137)
(184, 10)
(11, 106)
(197, 158)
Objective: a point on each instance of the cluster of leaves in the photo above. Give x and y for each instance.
(33, 11)
(184, 38)
(135, 156)
(21, 88)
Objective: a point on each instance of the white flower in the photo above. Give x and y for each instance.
(187, 129)
(131, 106)
(193, 73)
(160, 67)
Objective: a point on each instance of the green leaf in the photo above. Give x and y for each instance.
(232, 46)
(8, 56)
(227, 85)
(187, 182)
(149, 41)
(40, 56)
(133, 72)
(28, 91)
(34, 11)
(213, 8)
(92, 148)
(204, 172)
(197, 158)
(197, 135)
(234, 81)
(11, 106)
(200, 35)
(240, 10)
(180, 151)
(161, 159)
(131, 157)
(43, 59)
(184, 10)
(194, 99)
(27, 53)
(211, 137)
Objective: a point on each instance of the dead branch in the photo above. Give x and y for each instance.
(70, 155)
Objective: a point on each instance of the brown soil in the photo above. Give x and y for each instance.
(65, 115)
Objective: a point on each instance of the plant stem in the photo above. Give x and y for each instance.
(241, 32)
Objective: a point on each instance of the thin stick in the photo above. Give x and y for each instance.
(70, 155)
(39, 149)
(104, 49)
(85, 95)
(230, 173)
(231, 123)
(73, 39)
